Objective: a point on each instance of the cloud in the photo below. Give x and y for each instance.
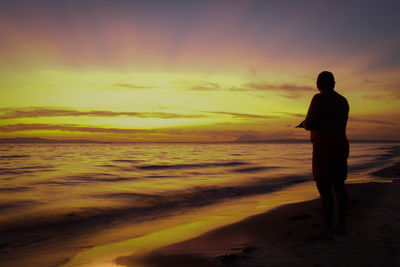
(291, 90)
(388, 58)
(280, 87)
(355, 119)
(134, 86)
(298, 115)
(386, 89)
(241, 115)
(10, 113)
(372, 96)
(392, 89)
(67, 127)
(198, 86)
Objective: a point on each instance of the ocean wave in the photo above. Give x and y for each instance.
(15, 171)
(107, 165)
(22, 204)
(14, 156)
(127, 160)
(26, 169)
(392, 171)
(87, 178)
(255, 169)
(15, 189)
(35, 167)
(389, 154)
(188, 166)
(145, 207)
(162, 176)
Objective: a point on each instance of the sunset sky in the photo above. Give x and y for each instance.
(194, 70)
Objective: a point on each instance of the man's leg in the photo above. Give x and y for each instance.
(327, 201)
(342, 201)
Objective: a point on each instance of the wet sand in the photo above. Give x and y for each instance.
(287, 236)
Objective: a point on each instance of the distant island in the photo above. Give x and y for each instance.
(248, 138)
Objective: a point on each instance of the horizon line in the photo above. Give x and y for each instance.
(290, 140)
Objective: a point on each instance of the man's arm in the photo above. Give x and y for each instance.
(301, 125)
(311, 121)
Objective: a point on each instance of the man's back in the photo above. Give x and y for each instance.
(327, 115)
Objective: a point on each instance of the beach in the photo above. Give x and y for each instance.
(287, 236)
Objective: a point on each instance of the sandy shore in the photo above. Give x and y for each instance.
(286, 236)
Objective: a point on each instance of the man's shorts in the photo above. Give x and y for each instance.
(329, 159)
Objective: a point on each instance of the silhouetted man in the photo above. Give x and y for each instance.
(327, 119)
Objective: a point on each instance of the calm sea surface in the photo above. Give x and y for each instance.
(45, 179)
(109, 183)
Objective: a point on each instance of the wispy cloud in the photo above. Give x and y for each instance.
(291, 90)
(10, 113)
(241, 115)
(134, 86)
(372, 96)
(278, 87)
(356, 119)
(392, 89)
(67, 127)
(298, 115)
(198, 86)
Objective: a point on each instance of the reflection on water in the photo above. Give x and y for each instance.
(112, 188)
(178, 228)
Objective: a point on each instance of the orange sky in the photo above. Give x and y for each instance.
(193, 70)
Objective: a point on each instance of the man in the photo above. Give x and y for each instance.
(327, 119)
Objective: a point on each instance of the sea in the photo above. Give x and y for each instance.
(85, 195)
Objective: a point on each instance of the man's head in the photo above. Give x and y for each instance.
(325, 81)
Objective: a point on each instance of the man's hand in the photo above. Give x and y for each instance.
(301, 125)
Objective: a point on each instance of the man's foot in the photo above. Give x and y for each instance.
(324, 235)
(340, 229)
